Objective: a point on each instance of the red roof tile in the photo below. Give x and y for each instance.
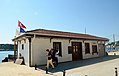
(53, 33)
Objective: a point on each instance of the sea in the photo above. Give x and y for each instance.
(4, 54)
(112, 49)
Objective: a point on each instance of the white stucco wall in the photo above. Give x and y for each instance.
(91, 42)
(101, 47)
(64, 44)
(39, 54)
(90, 55)
(39, 46)
(25, 51)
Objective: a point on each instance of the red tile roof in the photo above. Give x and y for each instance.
(52, 33)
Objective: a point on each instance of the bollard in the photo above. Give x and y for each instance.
(64, 72)
(35, 67)
(116, 74)
(46, 70)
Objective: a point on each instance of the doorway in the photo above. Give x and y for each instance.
(76, 51)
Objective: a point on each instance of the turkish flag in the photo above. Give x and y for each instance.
(22, 30)
(21, 25)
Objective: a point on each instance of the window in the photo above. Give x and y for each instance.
(69, 49)
(22, 46)
(57, 46)
(87, 48)
(94, 49)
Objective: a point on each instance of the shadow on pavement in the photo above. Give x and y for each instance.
(80, 63)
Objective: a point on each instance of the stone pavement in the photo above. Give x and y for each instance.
(12, 69)
(103, 66)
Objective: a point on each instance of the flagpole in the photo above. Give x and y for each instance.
(85, 30)
(114, 40)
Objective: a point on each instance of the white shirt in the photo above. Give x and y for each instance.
(57, 54)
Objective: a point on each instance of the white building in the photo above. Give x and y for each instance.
(72, 46)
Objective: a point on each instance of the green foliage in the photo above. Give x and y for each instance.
(6, 47)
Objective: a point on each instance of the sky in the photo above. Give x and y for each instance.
(98, 17)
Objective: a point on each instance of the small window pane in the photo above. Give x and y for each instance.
(22, 46)
(87, 48)
(94, 49)
(69, 49)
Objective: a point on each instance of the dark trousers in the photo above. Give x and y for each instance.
(56, 60)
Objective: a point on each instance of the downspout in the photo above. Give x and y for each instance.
(29, 51)
(104, 49)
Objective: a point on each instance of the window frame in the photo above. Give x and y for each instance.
(87, 48)
(22, 46)
(56, 45)
(70, 49)
(96, 49)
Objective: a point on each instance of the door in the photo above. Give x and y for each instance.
(76, 51)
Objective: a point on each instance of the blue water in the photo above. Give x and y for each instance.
(4, 54)
(112, 49)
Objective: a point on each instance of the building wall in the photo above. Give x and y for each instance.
(24, 52)
(64, 43)
(39, 54)
(90, 55)
(40, 44)
(101, 47)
